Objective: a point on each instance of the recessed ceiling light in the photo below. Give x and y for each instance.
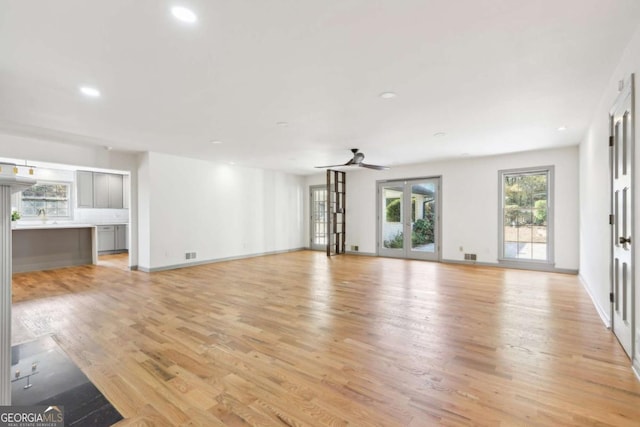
(183, 14)
(439, 134)
(282, 124)
(232, 163)
(90, 91)
(562, 128)
(388, 95)
(215, 141)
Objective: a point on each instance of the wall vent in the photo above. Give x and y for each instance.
(470, 257)
(190, 255)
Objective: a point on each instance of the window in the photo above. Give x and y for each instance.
(50, 199)
(526, 220)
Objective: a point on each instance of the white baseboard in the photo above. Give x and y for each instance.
(606, 319)
(361, 253)
(211, 261)
(635, 367)
(522, 266)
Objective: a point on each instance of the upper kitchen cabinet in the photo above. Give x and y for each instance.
(84, 181)
(115, 191)
(100, 190)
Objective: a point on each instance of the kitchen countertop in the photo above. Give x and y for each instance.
(47, 226)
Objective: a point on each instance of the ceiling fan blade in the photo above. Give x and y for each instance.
(331, 166)
(356, 161)
(349, 163)
(376, 167)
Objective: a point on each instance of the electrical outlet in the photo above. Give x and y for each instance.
(187, 255)
(193, 255)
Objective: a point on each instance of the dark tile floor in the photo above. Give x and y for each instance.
(44, 375)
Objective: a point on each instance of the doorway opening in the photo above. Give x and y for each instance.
(95, 202)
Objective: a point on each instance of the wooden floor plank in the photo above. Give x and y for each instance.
(301, 339)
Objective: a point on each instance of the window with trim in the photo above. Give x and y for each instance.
(526, 219)
(49, 199)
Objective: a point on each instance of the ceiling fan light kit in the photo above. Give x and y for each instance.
(357, 160)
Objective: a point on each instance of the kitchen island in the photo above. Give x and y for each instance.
(48, 246)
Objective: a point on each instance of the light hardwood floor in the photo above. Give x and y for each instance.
(300, 339)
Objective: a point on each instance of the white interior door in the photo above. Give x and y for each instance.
(623, 287)
(318, 220)
(408, 218)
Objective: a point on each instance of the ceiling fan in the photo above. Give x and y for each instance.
(357, 161)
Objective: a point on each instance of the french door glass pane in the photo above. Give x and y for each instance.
(392, 233)
(423, 209)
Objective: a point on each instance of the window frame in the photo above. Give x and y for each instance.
(70, 201)
(524, 262)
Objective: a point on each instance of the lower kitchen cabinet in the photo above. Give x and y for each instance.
(121, 238)
(112, 238)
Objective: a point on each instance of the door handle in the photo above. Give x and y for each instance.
(624, 241)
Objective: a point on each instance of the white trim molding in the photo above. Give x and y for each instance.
(606, 319)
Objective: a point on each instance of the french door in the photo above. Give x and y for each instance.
(318, 221)
(409, 218)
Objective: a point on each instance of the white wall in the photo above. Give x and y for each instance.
(594, 192)
(144, 211)
(219, 211)
(39, 150)
(470, 203)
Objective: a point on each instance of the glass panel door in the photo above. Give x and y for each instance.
(318, 205)
(408, 218)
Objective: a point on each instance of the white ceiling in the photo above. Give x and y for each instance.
(496, 75)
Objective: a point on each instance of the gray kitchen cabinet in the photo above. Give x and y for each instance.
(112, 238)
(115, 191)
(106, 238)
(100, 190)
(121, 237)
(84, 181)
